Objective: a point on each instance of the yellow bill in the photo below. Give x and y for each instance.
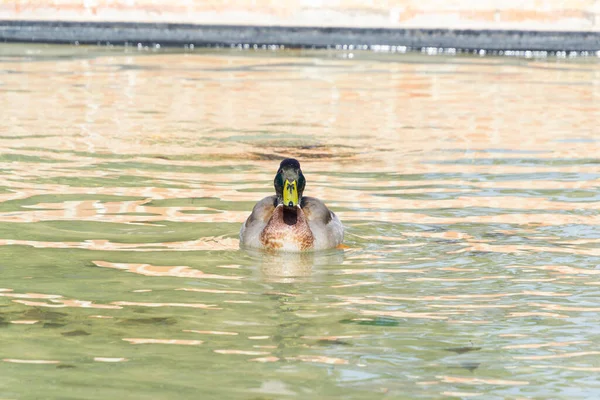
(290, 193)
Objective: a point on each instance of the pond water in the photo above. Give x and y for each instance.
(469, 189)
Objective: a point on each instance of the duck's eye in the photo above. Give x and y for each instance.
(279, 180)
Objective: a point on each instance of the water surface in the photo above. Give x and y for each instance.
(469, 189)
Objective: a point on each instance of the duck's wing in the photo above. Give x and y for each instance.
(326, 227)
(256, 222)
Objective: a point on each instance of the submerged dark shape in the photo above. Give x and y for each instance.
(77, 332)
(462, 350)
(469, 366)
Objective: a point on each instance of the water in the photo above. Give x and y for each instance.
(468, 188)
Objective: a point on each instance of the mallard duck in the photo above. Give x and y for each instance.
(289, 221)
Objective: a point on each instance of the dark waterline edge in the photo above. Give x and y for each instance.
(449, 41)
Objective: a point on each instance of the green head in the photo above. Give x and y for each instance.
(289, 183)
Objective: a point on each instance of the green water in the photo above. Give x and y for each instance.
(468, 187)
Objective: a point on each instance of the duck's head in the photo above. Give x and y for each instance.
(289, 183)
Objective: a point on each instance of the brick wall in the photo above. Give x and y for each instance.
(572, 15)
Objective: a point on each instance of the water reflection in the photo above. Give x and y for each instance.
(289, 268)
(469, 196)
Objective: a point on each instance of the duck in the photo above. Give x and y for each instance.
(288, 220)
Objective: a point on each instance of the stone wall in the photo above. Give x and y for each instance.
(544, 15)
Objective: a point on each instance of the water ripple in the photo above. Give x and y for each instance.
(468, 193)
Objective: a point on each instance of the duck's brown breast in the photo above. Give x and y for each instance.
(287, 230)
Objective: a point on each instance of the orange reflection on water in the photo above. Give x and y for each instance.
(122, 212)
(207, 243)
(520, 249)
(31, 295)
(212, 332)
(402, 314)
(163, 341)
(186, 305)
(21, 361)
(465, 322)
(473, 306)
(559, 307)
(479, 381)
(242, 352)
(481, 278)
(558, 356)
(153, 270)
(212, 291)
(474, 297)
(265, 359)
(541, 345)
(60, 303)
(568, 368)
(319, 359)
(461, 394)
(535, 314)
(57, 301)
(560, 269)
(366, 271)
(329, 338)
(364, 283)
